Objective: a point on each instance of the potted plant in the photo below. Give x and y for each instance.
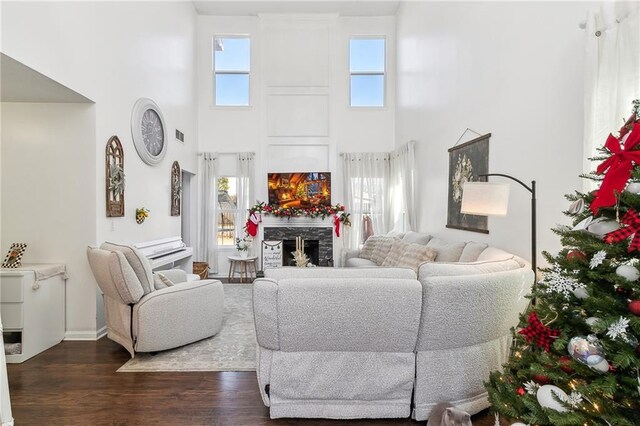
(243, 245)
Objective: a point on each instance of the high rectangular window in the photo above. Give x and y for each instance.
(367, 69)
(231, 66)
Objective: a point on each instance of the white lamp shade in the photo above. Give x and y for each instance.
(485, 199)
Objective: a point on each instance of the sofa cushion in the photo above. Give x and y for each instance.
(492, 253)
(416, 237)
(360, 262)
(416, 254)
(441, 269)
(395, 234)
(383, 247)
(447, 251)
(471, 251)
(138, 262)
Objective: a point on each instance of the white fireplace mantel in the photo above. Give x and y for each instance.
(296, 222)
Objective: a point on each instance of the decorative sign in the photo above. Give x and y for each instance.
(14, 257)
(271, 254)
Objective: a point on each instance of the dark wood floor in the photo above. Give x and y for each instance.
(75, 383)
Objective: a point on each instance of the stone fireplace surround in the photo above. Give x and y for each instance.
(322, 234)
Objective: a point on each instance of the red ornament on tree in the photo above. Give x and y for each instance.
(634, 307)
(521, 391)
(564, 362)
(623, 291)
(541, 379)
(539, 333)
(576, 255)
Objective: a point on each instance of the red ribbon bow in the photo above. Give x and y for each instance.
(539, 333)
(632, 220)
(618, 168)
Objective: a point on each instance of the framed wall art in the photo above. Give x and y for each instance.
(14, 256)
(271, 254)
(466, 162)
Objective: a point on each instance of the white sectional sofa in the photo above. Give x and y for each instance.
(365, 342)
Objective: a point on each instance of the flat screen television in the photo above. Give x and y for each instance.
(299, 190)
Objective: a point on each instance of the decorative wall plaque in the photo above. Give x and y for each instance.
(115, 182)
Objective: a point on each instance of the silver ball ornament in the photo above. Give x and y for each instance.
(628, 272)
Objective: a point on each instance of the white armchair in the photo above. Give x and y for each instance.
(143, 318)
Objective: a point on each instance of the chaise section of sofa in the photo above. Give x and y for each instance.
(337, 346)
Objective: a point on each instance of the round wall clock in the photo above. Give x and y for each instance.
(148, 131)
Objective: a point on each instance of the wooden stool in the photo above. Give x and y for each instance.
(244, 266)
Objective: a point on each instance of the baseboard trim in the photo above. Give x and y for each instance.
(85, 335)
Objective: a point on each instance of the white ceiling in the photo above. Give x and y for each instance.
(19, 83)
(343, 8)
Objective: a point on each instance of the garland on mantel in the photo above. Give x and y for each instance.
(324, 211)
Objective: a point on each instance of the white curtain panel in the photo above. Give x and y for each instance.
(401, 189)
(365, 178)
(246, 179)
(208, 242)
(612, 73)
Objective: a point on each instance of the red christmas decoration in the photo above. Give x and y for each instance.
(336, 225)
(576, 255)
(565, 362)
(612, 368)
(539, 333)
(520, 391)
(623, 291)
(634, 307)
(541, 379)
(632, 220)
(252, 224)
(617, 168)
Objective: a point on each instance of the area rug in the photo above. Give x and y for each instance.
(233, 349)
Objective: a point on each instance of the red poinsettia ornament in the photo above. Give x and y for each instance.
(617, 168)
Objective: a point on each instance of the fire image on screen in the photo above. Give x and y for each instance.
(299, 190)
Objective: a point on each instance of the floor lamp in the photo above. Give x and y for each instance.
(492, 199)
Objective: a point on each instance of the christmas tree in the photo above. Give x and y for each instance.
(575, 358)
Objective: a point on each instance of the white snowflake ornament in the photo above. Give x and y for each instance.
(531, 387)
(559, 280)
(597, 259)
(619, 329)
(574, 399)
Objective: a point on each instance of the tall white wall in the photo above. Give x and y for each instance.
(299, 118)
(115, 53)
(512, 69)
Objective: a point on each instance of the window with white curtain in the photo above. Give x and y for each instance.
(226, 222)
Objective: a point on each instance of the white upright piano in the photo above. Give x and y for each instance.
(168, 253)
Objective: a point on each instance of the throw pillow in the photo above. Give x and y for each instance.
(368, 247)
(471, 251)
(161, 281)
(382, 249)
(447, 252)
(394, 255)
(415, 255)
(416, 237)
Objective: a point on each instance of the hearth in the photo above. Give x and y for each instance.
(311, 249)
(318, 242)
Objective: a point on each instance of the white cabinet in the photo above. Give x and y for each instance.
(32, 311)
(6, 419)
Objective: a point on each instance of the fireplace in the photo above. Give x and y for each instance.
(311, 249)
(318, 243)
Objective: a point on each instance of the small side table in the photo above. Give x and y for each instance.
(245, 266)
